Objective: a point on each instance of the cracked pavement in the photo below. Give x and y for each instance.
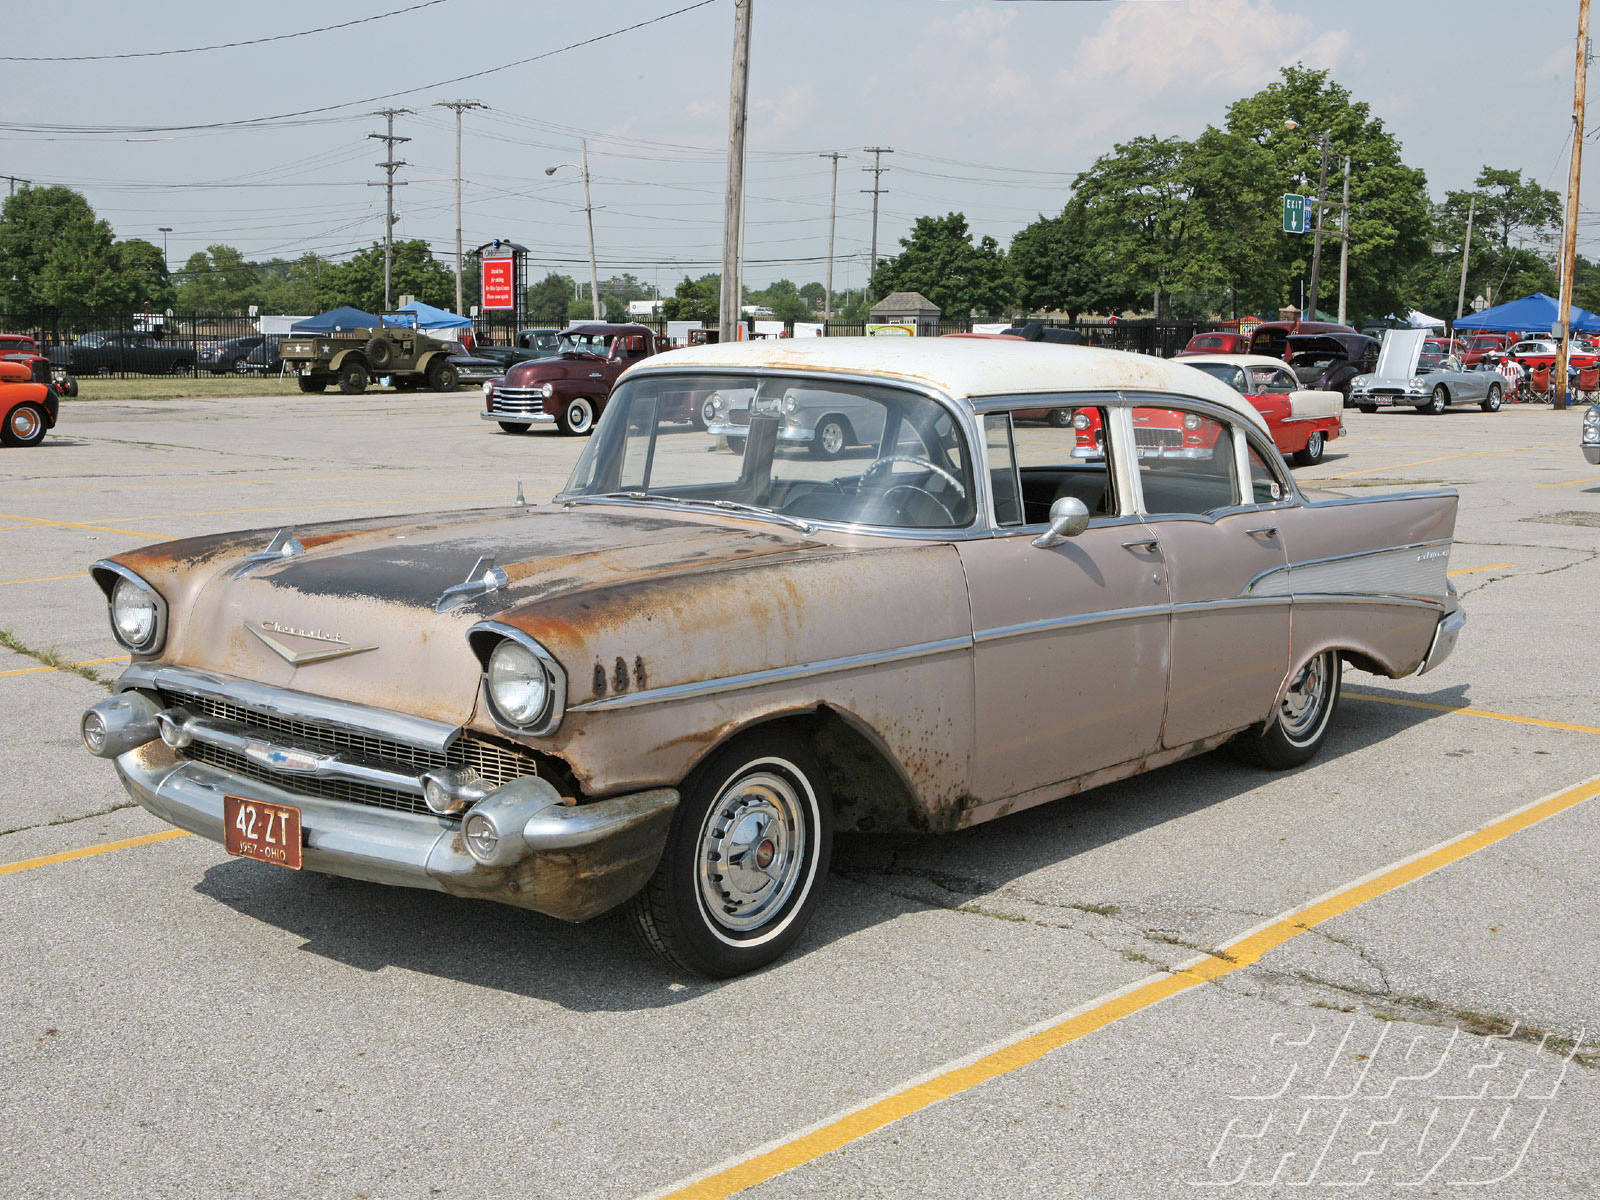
(180, 1023)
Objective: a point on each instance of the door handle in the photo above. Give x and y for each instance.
(1150, 544)
(1265, 531)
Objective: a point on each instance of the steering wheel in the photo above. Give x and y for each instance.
(919, 493)
(890, 459)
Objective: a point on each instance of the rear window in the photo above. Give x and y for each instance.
(1271, 342)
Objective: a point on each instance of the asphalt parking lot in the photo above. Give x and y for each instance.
(1110, 996)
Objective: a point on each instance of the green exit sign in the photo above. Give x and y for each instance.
(1294, 213)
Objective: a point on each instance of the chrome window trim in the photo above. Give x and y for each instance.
(398, 727)
(732, 683)
(158, 636)
(549, 720)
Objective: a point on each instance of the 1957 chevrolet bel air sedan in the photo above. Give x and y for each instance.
(668, 687)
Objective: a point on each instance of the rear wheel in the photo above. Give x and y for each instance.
(1312, 454)
(313, 383)
(1060, 417)
(829, 440)
(745, 859)
(352, 379)
(576, 417)
(24, 426)
(68, 387)
(1491, 402)
(1296, 729)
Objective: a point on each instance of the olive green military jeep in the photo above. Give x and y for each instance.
(352, 358)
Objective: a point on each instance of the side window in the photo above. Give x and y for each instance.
(1265, 486)
(1063, 459)
(1186, 462)
(1002, 462)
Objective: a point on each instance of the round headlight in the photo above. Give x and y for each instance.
(518, 683)
(1080, 420)
(1190, 421)
(718, 404)
(790, 404)
(548, 391)
(488, 388)
(1416, 383)
(133, 615)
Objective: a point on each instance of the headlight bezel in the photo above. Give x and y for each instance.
(111, 576)
(488, 636)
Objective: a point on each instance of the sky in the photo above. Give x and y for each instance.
(990, 106)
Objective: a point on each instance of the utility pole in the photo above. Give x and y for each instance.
(733, 210)
(588, 215)
(1466, 249)
(1310, 312)
(876, 190)
(456, 106)
(390, 165)
(1569, 233)
(13, 180)
(833, 200)
(163, 230)
(1344, 243)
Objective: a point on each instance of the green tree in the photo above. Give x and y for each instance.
(546, 301)
(55, 254)
(1390, 218)
(32, 222)
(939, 260)
(1513, 220)
(785, 301)
(415, 272)
(290, 287)
(218, 279)
(814, 294)
(695, 300)
(1051, 261)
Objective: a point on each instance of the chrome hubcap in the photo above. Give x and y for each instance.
(1306, 699)
(752, 850)
(578, 415)
(832, 438)
(24, 423)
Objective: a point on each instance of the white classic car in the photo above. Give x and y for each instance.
(1412, 373)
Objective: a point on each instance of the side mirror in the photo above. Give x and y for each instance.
(1068, 518)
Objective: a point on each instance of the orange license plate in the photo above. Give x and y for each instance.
(268, 833)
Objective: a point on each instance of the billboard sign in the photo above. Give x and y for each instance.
(499, 285)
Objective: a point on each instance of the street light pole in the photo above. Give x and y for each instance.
(163, 230)
(1316, 237)
(582, 167)
(833, 199)
(456, 106)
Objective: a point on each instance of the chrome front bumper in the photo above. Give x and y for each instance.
(538, 418)
(569, 861)
(1591, 451)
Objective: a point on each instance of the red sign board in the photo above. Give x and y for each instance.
(499, 285)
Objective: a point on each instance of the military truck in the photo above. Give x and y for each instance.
(352, 358)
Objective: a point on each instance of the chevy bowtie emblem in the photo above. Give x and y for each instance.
(274, 634)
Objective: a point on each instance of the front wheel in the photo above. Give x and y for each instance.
(352, 379)
(1491, 402)
(1312, 454)
(744, 862)
(1060, 418)
(442, 377)
(1437, 403)
(1296, 729)
(736, 444)
(1368, 408)
(830, 439)
(25, 425)
(576, 417)
(512, 427)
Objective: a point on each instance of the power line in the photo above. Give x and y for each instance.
(280, 37)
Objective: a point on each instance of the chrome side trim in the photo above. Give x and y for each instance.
(1347, 598)
(1236, 602)
(1380, 498)
(158, 639)
(731, 683)
(398, 727)
(1047, 624)
(1362, 572)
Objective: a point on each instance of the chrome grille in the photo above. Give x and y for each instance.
(1157, 437)
(523, 401)
(496, 764)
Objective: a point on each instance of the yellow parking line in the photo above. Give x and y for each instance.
(1473, 712)
(92, 662)
(44, 578)
(1033, 1045)
(80, 525)
(50, 860)
(1422, 462)
(1475, 570)
(1569, 482)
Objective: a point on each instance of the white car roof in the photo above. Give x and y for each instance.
(1234, 360)
(967, 368)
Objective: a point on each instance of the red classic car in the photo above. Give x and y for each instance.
(568, 390)
(28, 408)
(1302, 421)
(1216, 342)
(1541, 352)
(20, 348)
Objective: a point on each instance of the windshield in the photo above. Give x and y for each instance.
(797, 449)
(584, 343)
(1229, 374)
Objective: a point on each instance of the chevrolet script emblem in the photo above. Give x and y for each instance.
(274, 636)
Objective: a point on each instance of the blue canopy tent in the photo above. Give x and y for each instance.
(336, 320)
(429, 317)
(1535, 314)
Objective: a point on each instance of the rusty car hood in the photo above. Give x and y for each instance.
(359, 607)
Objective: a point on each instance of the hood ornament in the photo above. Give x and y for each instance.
(484, 578)
(272, 634)
(519, 500)
(283, 545)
